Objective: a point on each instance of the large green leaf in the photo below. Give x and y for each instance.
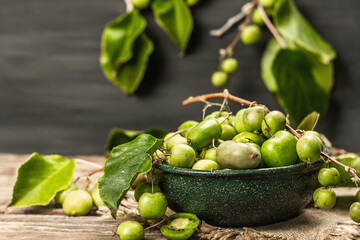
(40, 178)
(119, 136)
(129, 75)
(309, 122)
(119, 36)
(175, 18)
(293, 26)
(122, 167)
(299, 91)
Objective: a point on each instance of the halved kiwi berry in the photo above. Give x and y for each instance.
(180, 226)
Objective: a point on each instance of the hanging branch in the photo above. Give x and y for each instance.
(229, 49)
(231, 21)
(270, 26)
(129, 5)
(202, 98)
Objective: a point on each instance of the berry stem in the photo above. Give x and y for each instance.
(231, 21)
(229, 49)
(82, 161)
(355, 179)
(270, 26)
(242, 101)
(203, 98)
(95, 171)
(129, 5)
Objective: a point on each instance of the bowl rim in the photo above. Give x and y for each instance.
(290, 169)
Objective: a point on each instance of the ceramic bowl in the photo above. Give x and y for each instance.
(240, 198)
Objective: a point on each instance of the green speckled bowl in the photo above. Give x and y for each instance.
(239, 198)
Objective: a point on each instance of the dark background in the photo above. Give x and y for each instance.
(55, 99)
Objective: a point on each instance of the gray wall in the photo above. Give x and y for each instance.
(55, 99)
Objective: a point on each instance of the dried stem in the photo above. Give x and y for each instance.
(355, 179)
(230, 48)
(82, 161)
(129, 5)
(176, 133)
(95, 171)
(231, 21)
(203, 98)
(270, 26)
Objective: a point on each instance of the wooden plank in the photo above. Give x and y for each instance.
(61, 227)
(49, 222)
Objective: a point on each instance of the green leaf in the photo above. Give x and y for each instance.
(309, 122)
(129, 75)
(293, 26)
(122, 167)
(175, 18)
(119, 36)
(297, 75)
(40, 178)
(119, 136)
(270, 53)
(351, 160)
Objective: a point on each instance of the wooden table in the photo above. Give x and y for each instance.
(48, 222)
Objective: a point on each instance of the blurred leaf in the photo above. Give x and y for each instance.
(293, 26)
(270, 53)
(175, 18)
(119, 36)
(119, 136)
(296, 73)
(40, 178)
(126, 51)
(129, 75)
(126, 161)
(309, 122)
(351, 160)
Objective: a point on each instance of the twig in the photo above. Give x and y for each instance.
(202, 98)
(95, 171)
(82, 161)
(129, 5)
(270, 26)
(236, 40)
(355, 179)
(231, 21)
(176, 133)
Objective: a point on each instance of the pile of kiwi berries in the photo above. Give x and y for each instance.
(253, 138)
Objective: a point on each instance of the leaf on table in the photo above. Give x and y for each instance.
(297, 75)
(40, 178)
(351, 160)
(293, 26)
(118, 136)
(119, 36)
(309, 122)
(174, 17)
(126, 161)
